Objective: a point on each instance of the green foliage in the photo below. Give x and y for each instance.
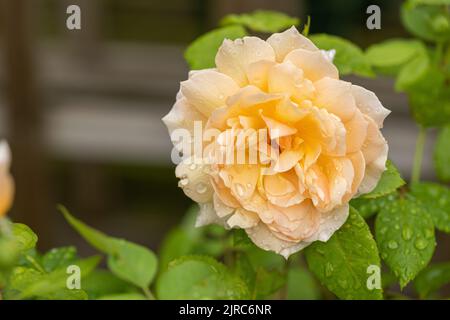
(102, 283)
(261, 21)
(389, 182)
(369, 207)
(301, 285)
(436, 198)
(432, 278)
(430, 23)
(349, 57)
(127, 260)
(26, 239)
(388, 56)
(58, 257)
(405, 235)
(200, 277)
(341, 263)
(201, 53)
(442, 154)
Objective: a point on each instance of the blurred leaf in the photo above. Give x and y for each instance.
(58, 257)
(390, 55)
(389, 182)
(9, 253)
(127, 260)
(124, 296)
(25, 237)
(103, 283)
(301, 285)
(349, 58)
(27, 283)
(368, 207)
(341, 263)
(413, 71)
(442, 154)
(436, 198)
(199, 277)
(261, 21)
(268, 282)
(431, 2)
(432, 278)
(427, 22)
(176, 244)
(243, 268)
(405, 236)
(201, 53)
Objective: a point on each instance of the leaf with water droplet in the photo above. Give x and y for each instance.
(388, 183)
(341, 265)
(405, 235)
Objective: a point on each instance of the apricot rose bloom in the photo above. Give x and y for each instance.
(330, 145)
(6, 181)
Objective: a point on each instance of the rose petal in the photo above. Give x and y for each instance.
(314, 65)
(368, 103)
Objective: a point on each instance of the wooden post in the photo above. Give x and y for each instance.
(31, 204)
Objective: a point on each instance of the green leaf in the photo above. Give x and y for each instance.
(388, 56)
(102, 283)
(389, 182)
(341, 263)
(31, 283)
(199, 277)
(176, 244)
(349, 58)
(442, 154)
(124, 296)
(133, 263)
(436, 198)
(268, 282)
(432, 279)
(201, 53)
(430, 102)
(413, 72)
(9, 253)
(127, 260)
(25, 237)
(405, 235)
(58, 257)
(427, 22)
(261, 21)
(369, 207)
(243, 268)
(431, 2)
(301, 285)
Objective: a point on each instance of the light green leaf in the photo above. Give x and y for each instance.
(58, 257)
(390, 55)
(432, 278)
(127, 260)
(123, 296)
(261, 21)
(405, 235)
(25, 237)
(413, 72)
(268, 282)
(133, 263)
(442, 154)
(201, 53)
(436, 198)
(389, 182)
(9, 253)
(199, 277)
(301, 285)
(349, 58)
(243, 268)
(427, 22)
(369, 207)
(431, 2)
(341, 263)
(176, 244)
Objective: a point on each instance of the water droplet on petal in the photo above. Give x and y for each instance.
(201, 187)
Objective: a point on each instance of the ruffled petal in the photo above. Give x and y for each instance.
(313, 63)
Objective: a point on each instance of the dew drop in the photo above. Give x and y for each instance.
(193, 166)
(184, 181)
(406, 233)
(392, 244)
(421, 244)
(201, 187)
(329, 269)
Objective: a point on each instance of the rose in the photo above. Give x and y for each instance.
(6, 181)
(328, 131)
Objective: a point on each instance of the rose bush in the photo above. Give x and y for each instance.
(330, 148)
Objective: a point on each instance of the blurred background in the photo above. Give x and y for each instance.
(81, 109)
